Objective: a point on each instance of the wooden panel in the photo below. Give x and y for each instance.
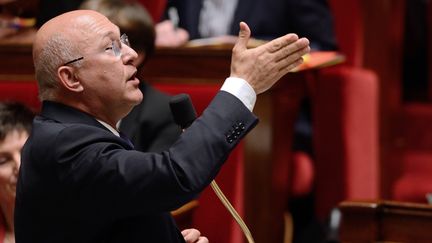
(385, 221)
(16, 61)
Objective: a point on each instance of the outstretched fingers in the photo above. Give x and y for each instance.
(287, 68)
(293, 51)
(281, 42)
(294, 57)
(290, 57)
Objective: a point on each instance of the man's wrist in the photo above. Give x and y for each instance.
(240, 89)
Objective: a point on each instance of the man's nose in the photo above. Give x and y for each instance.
(129, 55)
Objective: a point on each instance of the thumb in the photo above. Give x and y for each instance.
(243, 37)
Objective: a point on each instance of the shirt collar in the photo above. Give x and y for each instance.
(113, 130)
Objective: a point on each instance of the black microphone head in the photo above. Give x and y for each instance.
(182, 110)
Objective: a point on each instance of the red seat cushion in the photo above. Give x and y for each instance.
(416, 180)
(25, 92)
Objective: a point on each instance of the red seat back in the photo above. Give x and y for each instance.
(25, 92)
(348, 23)
(345, 114)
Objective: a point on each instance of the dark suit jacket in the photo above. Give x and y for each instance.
(79, 182)
(269, 19)
(150, 125)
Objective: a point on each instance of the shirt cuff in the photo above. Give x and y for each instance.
(240, 89)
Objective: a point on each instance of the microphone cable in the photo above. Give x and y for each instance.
(233, 212)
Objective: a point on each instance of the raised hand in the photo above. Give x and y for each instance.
(264, 65)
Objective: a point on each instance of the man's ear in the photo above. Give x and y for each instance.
(69, 79)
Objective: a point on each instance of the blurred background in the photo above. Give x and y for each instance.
(369, 113)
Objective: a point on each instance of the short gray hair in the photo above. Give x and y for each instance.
(55, 53)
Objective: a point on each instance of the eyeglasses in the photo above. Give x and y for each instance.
(115, 47)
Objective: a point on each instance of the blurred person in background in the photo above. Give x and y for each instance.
(15, 125)
(268, 18)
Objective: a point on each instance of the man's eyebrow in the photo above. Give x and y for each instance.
(113, 33)
(109, 35)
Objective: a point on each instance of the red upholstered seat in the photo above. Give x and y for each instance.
(415, 181)
(407, 167)
(303, 174)
(21, 91)
(346, 136)
(345, 118)
(414, 178)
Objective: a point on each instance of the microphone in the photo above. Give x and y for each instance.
(182, 110)
(184, 114)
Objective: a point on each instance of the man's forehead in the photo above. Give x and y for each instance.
(75, 22)
(91, 29)
(96, 24)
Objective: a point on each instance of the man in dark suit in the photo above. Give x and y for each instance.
(80, 180)
(267, 18)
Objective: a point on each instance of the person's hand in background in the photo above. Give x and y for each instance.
(168, 35)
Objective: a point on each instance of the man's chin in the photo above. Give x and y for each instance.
(136, 98)
(139, 98)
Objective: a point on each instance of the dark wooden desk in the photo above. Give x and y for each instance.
(16, 61)
(385, 221)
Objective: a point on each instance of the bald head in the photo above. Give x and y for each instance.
(79, 58)
(58, 41)
(66, 25)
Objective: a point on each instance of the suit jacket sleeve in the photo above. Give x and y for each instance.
(105, 176)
